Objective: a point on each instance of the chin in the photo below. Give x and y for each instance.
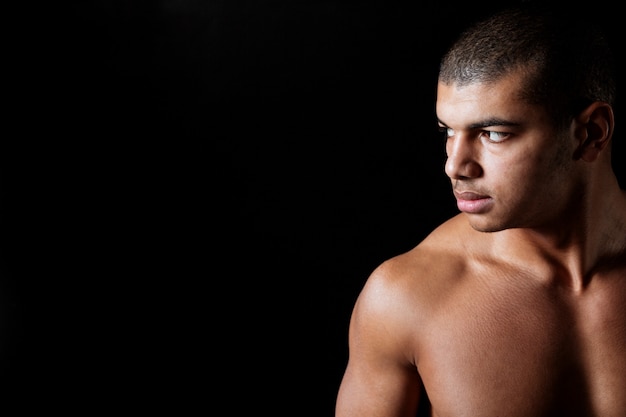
(486, 229)
(485, 226)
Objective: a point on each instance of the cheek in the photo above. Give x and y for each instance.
(541, 175)
(536, 158)
(521, 170)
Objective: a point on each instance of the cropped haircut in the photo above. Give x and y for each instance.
(566, 58)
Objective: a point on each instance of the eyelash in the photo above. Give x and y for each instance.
(444, 131)
(504, 135)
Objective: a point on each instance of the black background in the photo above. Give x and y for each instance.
(194, 192)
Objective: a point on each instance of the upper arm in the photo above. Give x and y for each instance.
(381, 378)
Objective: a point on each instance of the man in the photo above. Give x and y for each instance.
(516, 306)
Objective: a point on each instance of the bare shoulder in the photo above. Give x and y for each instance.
(418, 279)
(439, 257)
(392, 311)
(389, 324)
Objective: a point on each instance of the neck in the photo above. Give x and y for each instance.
(579, 243)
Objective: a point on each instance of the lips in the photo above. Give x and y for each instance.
(472, 202)
(469, 195)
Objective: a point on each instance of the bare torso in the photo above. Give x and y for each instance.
(501, 339)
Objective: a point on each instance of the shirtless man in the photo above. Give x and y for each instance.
(515, 307)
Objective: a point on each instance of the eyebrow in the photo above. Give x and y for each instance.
(487, 123)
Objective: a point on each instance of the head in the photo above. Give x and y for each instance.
(525, 98)
(566, 60)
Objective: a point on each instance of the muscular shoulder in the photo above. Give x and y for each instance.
(439, 260)
(402, 292)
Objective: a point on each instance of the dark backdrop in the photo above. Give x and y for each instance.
(194, 192)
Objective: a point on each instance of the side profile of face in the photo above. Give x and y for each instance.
(508, 165)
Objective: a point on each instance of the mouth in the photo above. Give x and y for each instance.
(472, 202)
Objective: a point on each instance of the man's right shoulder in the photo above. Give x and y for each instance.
(433, 267)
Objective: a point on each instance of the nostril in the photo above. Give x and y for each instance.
(456, 168)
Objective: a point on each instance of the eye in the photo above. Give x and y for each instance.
(495, 137)
(447, 131)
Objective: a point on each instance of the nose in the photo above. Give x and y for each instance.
(462, 161)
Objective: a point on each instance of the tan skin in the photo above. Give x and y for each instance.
(517, 305)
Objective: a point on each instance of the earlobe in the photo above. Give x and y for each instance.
(594, 130)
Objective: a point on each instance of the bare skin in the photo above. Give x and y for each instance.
(516, 306)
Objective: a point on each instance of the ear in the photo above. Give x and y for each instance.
(594, 128)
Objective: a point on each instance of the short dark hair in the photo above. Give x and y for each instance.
(567, 58)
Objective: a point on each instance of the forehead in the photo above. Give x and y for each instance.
(471, 103)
